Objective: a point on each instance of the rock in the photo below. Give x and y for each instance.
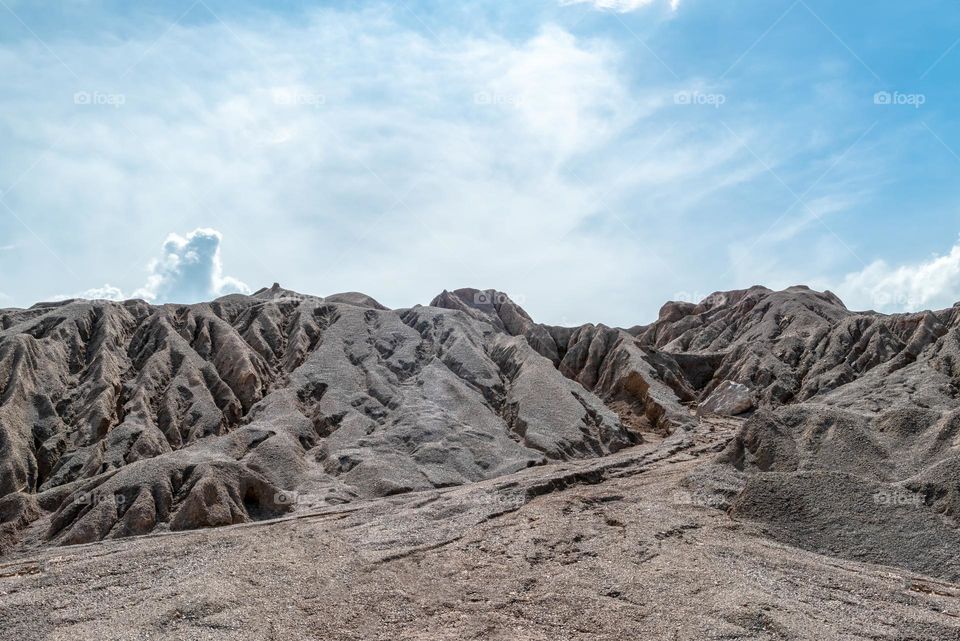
(125, 418)
(674, 311)
(355, 298)
(799, 344)
(120, 419)
(727, 399)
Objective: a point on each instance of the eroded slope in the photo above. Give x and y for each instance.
(121, 418)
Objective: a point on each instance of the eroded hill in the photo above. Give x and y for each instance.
(122, 419)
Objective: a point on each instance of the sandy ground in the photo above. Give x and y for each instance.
(608, 549)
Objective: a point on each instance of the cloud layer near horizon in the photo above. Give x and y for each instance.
(927, 284)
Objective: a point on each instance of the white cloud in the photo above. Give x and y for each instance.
(930, 284)
(348, 152)
(189, 271)
(621, 6)
(107, 292)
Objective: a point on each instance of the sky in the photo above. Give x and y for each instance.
(592, 158)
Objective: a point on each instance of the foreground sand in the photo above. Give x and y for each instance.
(607, 549)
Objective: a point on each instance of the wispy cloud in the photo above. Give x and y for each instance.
(623, 6)
(363, 150)
(332, 177)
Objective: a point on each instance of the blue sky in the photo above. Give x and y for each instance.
(593, 159)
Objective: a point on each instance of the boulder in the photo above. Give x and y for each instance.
(727, 399)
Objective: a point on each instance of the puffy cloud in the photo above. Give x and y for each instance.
(189, 271)
(930, 284)
(621, 6)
